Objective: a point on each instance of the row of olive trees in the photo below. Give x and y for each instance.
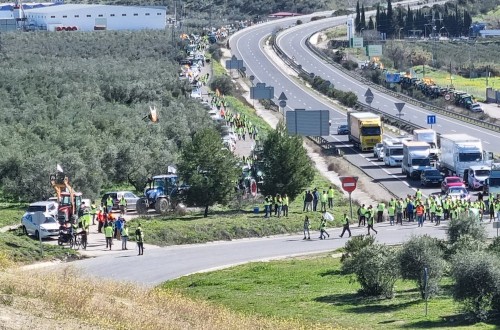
(79, 100)
(465, 257)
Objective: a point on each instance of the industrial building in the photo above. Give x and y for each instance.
(78, 17)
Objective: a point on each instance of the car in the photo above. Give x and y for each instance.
(50, 227)
(343, 129)
(451, 181)
(458, 193)
(378, 151)
(431, 177)
(130, 197)
(476, 107)
(196, 93)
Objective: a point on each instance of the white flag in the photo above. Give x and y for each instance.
(59, 168)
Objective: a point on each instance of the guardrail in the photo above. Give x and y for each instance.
(406, 98)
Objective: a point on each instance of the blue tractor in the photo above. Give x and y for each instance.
(162, 194)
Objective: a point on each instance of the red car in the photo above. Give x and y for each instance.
(451, 181)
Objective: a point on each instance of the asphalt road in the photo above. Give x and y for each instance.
(162, 264)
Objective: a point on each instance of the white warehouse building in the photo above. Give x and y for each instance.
(73, 17)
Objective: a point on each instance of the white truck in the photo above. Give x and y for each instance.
(459, 152)
(393, 152)
(429, 136)
(415, 158)
(476, 176)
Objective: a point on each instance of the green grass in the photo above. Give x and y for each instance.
(11, 213)
(314, 290)
(24, 249)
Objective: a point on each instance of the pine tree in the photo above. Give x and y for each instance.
(363, 18)
(390, 20)
(377, 17)
(371, 25)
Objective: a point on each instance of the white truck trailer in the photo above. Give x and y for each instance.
(415, 158)
(459, 152)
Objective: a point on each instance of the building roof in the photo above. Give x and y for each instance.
(73, 7)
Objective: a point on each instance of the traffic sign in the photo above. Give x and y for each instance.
(282, 103)
(282, 97)
(368, 93)
(234, 63)
(369, 96)
(349, 183)
(431, 119)
(261, 92)
(399, 106)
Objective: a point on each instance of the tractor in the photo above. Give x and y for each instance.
(69, 200)
(163, 193)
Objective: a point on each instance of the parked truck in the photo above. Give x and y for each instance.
(429, 136)
(365, 129)
(459, 152)
(476, 175)
(415, 158)
(492, 183)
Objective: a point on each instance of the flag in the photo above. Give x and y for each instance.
(59, 168)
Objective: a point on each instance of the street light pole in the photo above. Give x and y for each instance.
(400, 33)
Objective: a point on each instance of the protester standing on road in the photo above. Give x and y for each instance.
(362, 215)
(324, 200)
(109, 204)
(391, 212)
(315, 199)
(277, 205)
(93, 212)
(307, 227)
(108, 233)
(285, 203)
(370, 219)
(123, 205)
(139, 237)
(420, 211)
(267, 206)
(399, 212)
(118, 227)
(346, 226)
(380, 211)
(124, 234)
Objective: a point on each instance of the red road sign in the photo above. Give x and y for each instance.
(349, 183)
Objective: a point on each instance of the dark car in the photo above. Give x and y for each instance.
(431, 177)
(342, 130)
(130, 197)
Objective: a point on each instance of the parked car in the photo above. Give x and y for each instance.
(451, 181)
(50, 227)
(431, 177)
(196, 93)
(343, 129)
(476, 107)
(130, 197)
(48, 207)
(458, 193)
(378, 151)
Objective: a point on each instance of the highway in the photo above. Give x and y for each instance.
(248, 46)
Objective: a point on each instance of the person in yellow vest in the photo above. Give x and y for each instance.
(324, 200)
(93, 212)
(109, 204)
(285, 202)
(418, 195)
(439, 214)
(380, 212)
(307, 227)
(362, 215)
(139, 237)
(391, 212)
(267, 206)
(124, 234)
(108, 233)
(331, 194)
(370, 219)
(345, 226)
(123, 205)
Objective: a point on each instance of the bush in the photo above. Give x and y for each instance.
(223, 84)
(215, 51)
(465, 226)
(494, 246)
(477, 282)
(350, 65)
(354, 245)
(418, 253)
(375, 269)
(298, 22)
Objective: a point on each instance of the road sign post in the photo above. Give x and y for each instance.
(369, 98)
(349, 185)
(399, 107)
(282, 102)
(431, 120)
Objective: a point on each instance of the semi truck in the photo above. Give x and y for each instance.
(415, 158)
(429, 136)
(365, 129)
(459, 152)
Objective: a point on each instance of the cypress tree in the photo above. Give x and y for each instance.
(363, 18)
(357, 19)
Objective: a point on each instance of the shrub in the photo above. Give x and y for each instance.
(494, 246)
(477, 282)
(298, 22)
(223, 84)
(354, 245)
(215, 51)
(465, 226)
(350, 65)
(418, 253)
(374, 267)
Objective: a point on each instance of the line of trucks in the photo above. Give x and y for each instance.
(452, 154)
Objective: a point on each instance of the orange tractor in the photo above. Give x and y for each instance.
(69, 200)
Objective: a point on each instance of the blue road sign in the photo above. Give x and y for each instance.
(431, 119)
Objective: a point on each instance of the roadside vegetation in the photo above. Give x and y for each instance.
(386, 285)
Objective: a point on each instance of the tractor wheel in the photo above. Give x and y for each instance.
(141, 206)
(162, 205)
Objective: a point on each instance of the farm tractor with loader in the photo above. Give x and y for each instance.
(69, 200)
(163, 193)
